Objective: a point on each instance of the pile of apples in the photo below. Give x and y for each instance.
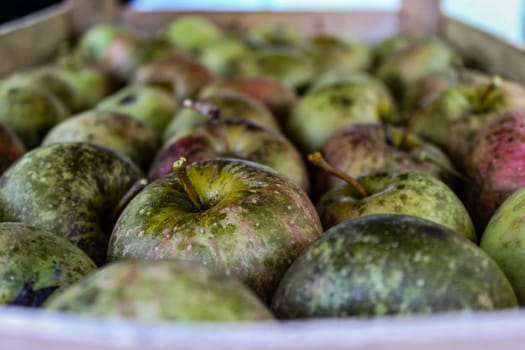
(207, 175)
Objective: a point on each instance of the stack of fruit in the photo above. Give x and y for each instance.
(174, 178)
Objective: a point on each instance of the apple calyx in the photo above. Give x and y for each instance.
(214, 115)
(179, 168)
(318, 160)
(494, 84)
(132, 192)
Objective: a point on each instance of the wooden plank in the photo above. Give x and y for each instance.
(24, 329)
(368, 25)
(33, 39)
(420, 16)
(494, 54)
(86, 13)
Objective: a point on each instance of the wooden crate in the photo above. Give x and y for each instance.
(38, 37)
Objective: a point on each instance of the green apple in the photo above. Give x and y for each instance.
(391, 264)
(290, 68)
(192, 34)
(149, 104)
(29, 112)
(413, 62)
(220, 56)
(274, 95)
(117, 131)
(34, 263)
(408, 192)
(504, 240)
(72, 189)
(323, 111)
(272, 34)
(235, 216)
(455, 117)
(174, 290)
(330, 53)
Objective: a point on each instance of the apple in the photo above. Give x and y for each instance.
(494, 165)
(291, 68)
(11, 148)
(390, 46)
(34, 263)
(266, 34)
(182, 76)
(94, 42)
(274, 95)
(323, 111)
(174, 290)
(408, 192)
(235, 138)
(73, 189)
(29, 112)
(362, 148)
(220, 56)
(230, 104)
(413, 62)
(192, 34)
(504, 240)
(117, 131)
(454, 118)
(149, 104)
(390, 264)
(332, 53)
(235, 216)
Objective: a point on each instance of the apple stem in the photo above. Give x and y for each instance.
(214, 114)
(130, 194)
(494, 84)
(179, 168)
(318, 160)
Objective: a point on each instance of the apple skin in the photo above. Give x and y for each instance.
(95, 41)
(254, 224)
(397, 191)
(152, 105)
(11, 148)
(453, 119)
(29, 112)
(494, 165)
(175, 290)
(390, 264)
(34, 263)
(326, 109)
(504, 240)
(362, 148)
(68, 189)
(245, 141)
(182, 76)
(117, 131)
(276, 96)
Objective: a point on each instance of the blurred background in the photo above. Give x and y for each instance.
(504, 18)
